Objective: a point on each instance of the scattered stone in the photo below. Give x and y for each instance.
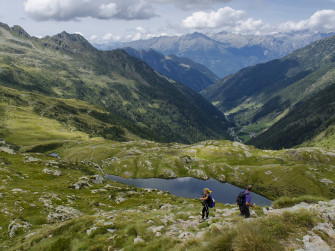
(253, 214)
(265, 211)
(197, 173)
(164, 221)
(30, 235)
(97, 179)
(18, 190)
(138, 240)
(157, 229)
(221, 178)
(7, 150)
(28, 159)
(63, 213)
(91, 230)
(52, 172)
(168, 173)
(101, 190)
(158, 234)
(119, 200)
(326, 228)
(150, 222)
(200, 235)
(268, 172)
(327, 181)
(314, 242)
(167, 207)
(88, 181)
(15, 225)
(186, 235)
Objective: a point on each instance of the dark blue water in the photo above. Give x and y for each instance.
(193, 188)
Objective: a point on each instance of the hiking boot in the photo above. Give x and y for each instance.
(206, 218)
(201, 220)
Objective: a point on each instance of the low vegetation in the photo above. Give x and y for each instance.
(283, 202)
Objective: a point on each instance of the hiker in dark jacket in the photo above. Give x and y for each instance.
(205, 202)
(244, 208)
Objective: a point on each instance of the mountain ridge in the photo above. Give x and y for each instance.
(67, 66)
(258, 96)
(183, 70)
(225, 53)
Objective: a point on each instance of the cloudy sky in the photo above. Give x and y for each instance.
(104, 21)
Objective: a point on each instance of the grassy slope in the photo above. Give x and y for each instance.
(270, 171)
(145, 103)
(29, 197)
(273, 173)
(35, 121)
(306, 120)
(114, 224)
(257, 97)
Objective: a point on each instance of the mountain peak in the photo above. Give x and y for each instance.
(196, 35)
(18, 30)
(72, 43)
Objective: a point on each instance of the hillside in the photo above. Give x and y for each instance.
(225, 53)
(258, 96)
(307, 120)
(140, 100)
(65, 203)
(51, 204)
(183, 70)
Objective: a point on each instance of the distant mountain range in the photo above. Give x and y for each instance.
(183, 70)
(256, 97)
(135, 99)
(225, 53)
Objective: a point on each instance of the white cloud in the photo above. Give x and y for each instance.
(132, 35)
(79, 33)
(323, 20)
(223, 17)
(192, 4)
(237, 21)
(226, 18)
(64, 10)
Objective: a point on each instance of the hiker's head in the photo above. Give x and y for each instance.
(207, 191)
(249, 188)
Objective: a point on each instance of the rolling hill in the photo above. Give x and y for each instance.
(256, 97)
(133, 94)
(183, 70)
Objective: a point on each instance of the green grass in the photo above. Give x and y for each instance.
(268, 233)
(291, 201)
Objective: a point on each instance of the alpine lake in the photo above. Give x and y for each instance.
(193, 188)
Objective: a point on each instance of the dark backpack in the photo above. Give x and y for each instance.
(240, 200)
(211, 202)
